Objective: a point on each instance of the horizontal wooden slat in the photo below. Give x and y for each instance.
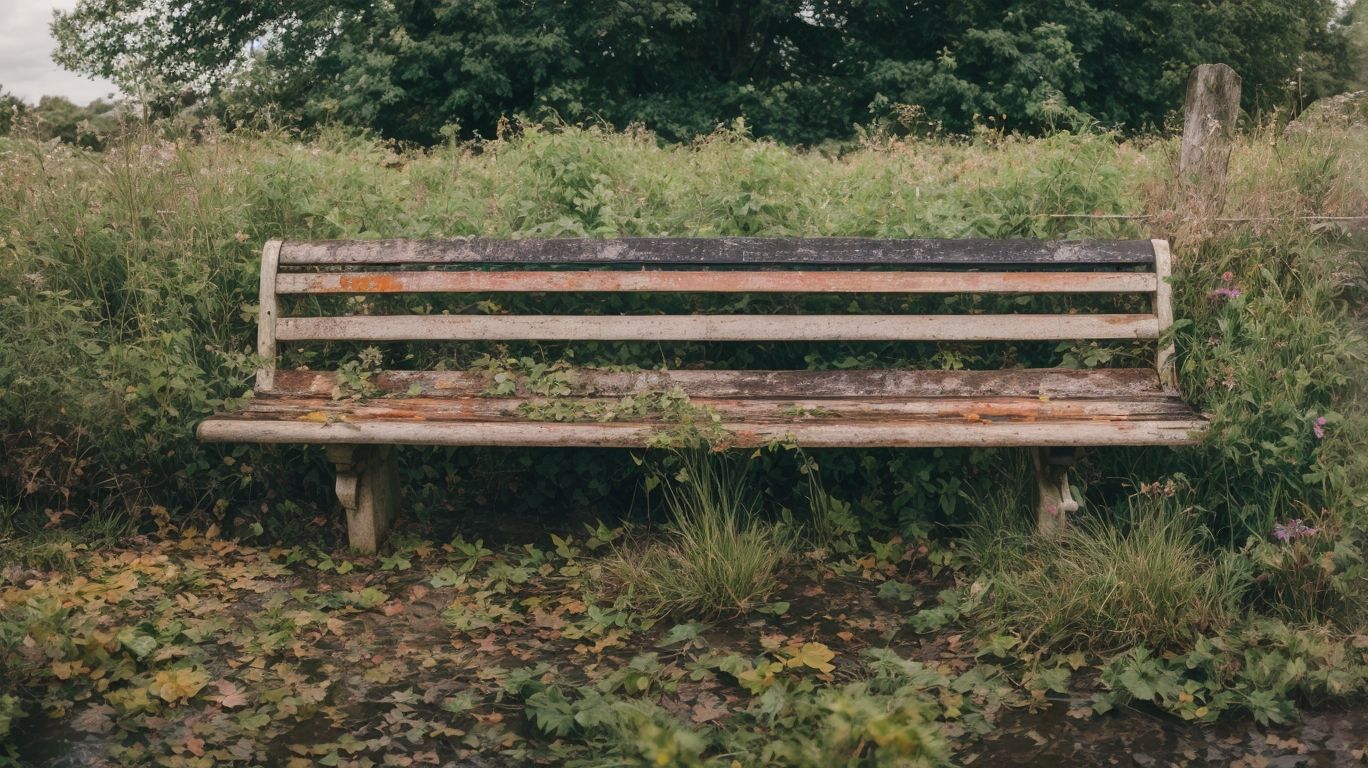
(725, 250)
(718, 327)
(749, 409)
(890, 433)
(718, 282)
(1055, 383)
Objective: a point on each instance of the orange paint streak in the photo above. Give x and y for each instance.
(376, 283)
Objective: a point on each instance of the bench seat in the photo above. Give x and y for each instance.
(857, 409)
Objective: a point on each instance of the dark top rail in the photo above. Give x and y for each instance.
(722, 250)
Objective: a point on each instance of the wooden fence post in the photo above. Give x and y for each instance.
(1210, 112)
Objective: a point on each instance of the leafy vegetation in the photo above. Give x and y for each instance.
(56, 117)
(285, 655)
(886, 609)
(421, 70)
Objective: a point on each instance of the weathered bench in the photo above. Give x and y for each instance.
(1049, 410)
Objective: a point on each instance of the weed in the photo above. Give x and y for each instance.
(717, 557)
(1103, 587)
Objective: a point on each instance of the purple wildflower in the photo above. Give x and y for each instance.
(1292, 530)
(1229, 290)
(1318, 429)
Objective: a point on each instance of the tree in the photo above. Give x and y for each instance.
(12, 109)
(798, 70)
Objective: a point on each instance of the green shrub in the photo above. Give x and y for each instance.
(1104, 587)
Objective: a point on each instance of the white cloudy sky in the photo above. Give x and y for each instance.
(26, 66)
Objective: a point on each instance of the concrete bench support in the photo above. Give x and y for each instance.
(368, 488)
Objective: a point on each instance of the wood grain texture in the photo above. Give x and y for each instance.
(849, 409)
(1211, 112)
(890, 433)
(1163, 310)
(267, 314)
(542, 281)
(717, 327)
(1055, 383)
(722, 250)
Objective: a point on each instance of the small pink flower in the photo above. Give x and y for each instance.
(1293, 529)
(1229, 290)
(1318, 429)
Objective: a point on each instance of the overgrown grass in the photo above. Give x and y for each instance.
(128, 279)
(1106, 587)
(718, 557)
(26, 544)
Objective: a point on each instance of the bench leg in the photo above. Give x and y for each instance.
(1054, 501)
(368, 487)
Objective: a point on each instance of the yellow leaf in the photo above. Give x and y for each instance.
(814, 655)
(175, 685)
(65, 670)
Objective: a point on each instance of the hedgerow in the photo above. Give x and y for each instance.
(129, 286)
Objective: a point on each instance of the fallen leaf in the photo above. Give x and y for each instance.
(176, 685)
(814, 655)
(97, 718)
(707, 709)
(228, 695)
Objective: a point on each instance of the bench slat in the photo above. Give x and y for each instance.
(718, 327)
(724, 250)
(717, 282)
(1124, 383)
(750, 409)
(887, 433)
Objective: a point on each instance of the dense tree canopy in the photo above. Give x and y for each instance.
(797, 70)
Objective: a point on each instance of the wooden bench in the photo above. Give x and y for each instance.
(1050, 410)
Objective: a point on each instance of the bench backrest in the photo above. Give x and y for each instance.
(713, 265)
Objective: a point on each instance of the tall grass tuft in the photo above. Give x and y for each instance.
(1104, 587)
(717, 558)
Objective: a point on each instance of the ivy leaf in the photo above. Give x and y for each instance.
(137, 643)
(778, 608)
(683, 633)
(998, 646)
(366, 598)
(1052, 679)
(814, 655)
(1270, 707)
(446, 577)
(551, 713)
(896, 591)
